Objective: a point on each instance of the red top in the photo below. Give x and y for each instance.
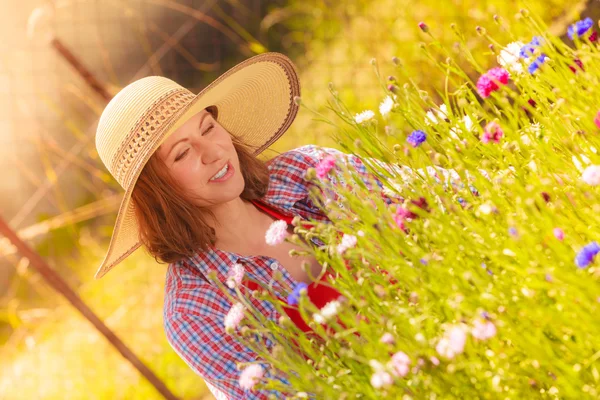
(319, 292)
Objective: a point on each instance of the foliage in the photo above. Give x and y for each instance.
(478, 281)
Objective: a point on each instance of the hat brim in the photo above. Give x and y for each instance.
(255, 102)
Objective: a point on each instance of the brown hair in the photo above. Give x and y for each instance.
(171, 226)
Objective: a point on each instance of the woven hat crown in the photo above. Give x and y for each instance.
(133, 120)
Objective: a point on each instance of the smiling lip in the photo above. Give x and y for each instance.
(227, 175)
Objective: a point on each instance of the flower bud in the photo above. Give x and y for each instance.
(396, 61)
(297, 100)
(423, 27)
(393, 88)
(480, 30)
(373, 61)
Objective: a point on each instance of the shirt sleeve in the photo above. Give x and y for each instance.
(201, 341)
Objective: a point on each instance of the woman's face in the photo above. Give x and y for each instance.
(195, 155)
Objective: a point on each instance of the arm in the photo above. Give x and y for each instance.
(201, 341)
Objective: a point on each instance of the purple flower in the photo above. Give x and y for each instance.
(586, 255)
(416, 138)
(512, 231)
(537, 63)
(579, 28)
(530, 47)
(293, 297)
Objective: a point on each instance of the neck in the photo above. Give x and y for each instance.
(236, 223)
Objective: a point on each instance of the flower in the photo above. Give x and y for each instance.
(380, 379)
(492, 133)
(537, 63)
(483, 329)
(579, 28)
(440, 114)
(591, 175)
(416, 138)
(579, 64)
(453, 342)
(364, 116)
(468, 124)
(324, 166)
(387, 338)
(597, 119)
(235, 275)
(234, 316)
(250, 375)
(386, 105)
(558, 233)
(488, 82)
(294, 297)
(328, 311)
(586, 255)
(528, 49)
(276, 233)
(509, 57)
(400, 364)
(348, 241)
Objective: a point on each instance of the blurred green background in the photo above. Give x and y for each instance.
(57, 195)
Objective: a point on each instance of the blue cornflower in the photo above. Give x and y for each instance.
(536, 63)
(293, 297)
(579, 28)
(586, 255)
(416, 138)
(530, 47)
(512, 231)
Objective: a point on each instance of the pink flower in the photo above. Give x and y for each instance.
(234, 317)
(348, 241)
(492, 133)
(558, 233)
(250, 375)
(488, 82)
(380, 379)
(276, 233)
(434, 360)
(387, 338)
(453, 342)
(597, 119)
(591, 175)
(235, 275)
(400, 363)
(483, 329)
(325, 166)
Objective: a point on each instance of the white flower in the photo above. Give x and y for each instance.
(509, 58)
(328, 311)
(591, 175)
(483, 329)
(453, 342)
(234, 316)
(467, 122)
(386, 106)
(348, 241)
(235, 275)
(364, 116)
(439, 115)
(276, 233)
(380, 379)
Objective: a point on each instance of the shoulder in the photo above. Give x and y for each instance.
(187, 292)
(304, 156)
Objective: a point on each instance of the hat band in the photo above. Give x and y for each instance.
(147, 132)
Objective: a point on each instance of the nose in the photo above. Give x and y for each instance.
(209, 151)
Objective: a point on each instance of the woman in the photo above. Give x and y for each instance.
(197, 197)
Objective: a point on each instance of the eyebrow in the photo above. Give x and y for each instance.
(184, 139)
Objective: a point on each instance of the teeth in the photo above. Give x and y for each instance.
(222, 172)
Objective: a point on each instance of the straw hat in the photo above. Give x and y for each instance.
(254, 100)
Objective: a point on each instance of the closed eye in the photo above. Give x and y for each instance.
(182, 155)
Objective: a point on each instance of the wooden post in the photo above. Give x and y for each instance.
(63, 288)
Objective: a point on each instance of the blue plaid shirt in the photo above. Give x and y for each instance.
(194, 308)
